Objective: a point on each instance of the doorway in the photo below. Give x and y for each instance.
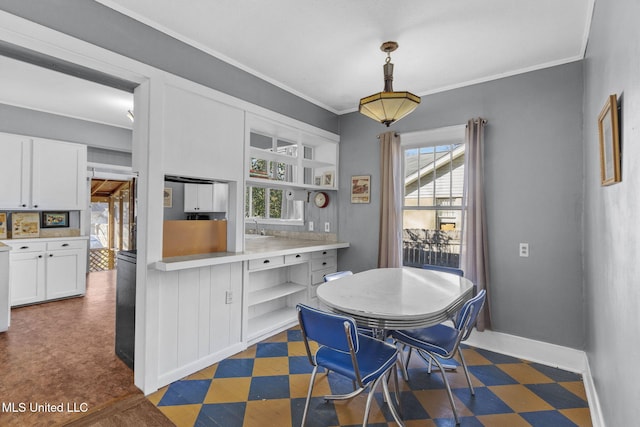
(112, 226)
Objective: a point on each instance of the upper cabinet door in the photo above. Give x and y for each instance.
(58, 175)
(15, 172)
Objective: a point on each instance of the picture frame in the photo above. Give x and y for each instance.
(318, 180)
(609, 142)
(327, 179)
(58, 219)
(3, 225)
(168, 197)
(25, 225)
(361, 189)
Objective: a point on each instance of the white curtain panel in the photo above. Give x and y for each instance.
(391, 192)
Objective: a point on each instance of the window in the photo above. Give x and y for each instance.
(433, 191)
(271, 205)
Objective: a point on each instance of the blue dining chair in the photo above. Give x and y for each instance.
(443, 342)
(337, 275)
(364, 360)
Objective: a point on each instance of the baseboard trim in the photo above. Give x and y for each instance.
(568, 359)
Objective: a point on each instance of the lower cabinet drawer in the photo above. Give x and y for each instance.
(323, 263)
(68, 244)
(18, 247)
(294, 258)
(268, 262)
(318, 276)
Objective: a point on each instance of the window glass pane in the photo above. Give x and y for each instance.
(286, 147)
(431, 237)
(257, 202)
(260, 141)
(271, 203)
(434, 179)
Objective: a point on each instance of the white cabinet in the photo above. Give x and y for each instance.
(198, 197)
(65, 269)
(206, 197)
(5, 306)
(42, 174)
(274, 286)
(27, 273)
(41, 271)
(322, 262)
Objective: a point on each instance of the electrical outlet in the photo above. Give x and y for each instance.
(228, 297)
(310, 225)
(327, 227)
(524, 249)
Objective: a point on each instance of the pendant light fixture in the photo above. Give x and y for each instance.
(388, 106)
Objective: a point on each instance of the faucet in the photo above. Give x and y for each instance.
(255, 220)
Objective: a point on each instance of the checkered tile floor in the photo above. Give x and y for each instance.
(266, 385)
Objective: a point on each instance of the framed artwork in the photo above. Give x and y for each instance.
(361, 189)
(54, 219)
(25, 224)
(327, 179)
(318, 180)
(609, 142)
(168, 197)
(3, 225)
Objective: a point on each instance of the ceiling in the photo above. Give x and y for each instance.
(328, 51)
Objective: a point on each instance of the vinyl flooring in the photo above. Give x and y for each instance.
(266, 385)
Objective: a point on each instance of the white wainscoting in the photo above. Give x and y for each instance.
(196, 326)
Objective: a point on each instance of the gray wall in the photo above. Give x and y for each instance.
(533, 183)
(612, 235)
(23, 121)
(104, 27)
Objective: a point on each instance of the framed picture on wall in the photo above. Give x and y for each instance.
(609, 142)
(360, 189)
(25, 225)
(54, 220)
(168, 197)
(3, 225)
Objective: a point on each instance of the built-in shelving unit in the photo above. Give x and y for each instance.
(284, 156)
(275, 285)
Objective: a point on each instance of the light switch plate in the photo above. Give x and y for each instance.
(310, 225)
(327, 227)
(524, 249)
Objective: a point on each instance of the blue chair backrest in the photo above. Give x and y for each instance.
(337, 275)
(468, 314)
(451, 270)
(328, 329)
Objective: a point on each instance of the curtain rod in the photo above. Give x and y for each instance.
(394, 134)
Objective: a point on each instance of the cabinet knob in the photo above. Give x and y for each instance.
(23, 205)
(324, 263)
(50, 255)
(39, 256)
(24, 247)
(266, 261)
(65, 244)
(298, 256)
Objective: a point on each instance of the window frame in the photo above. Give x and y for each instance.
(433, 138)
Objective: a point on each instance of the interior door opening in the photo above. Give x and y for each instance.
(112, 211)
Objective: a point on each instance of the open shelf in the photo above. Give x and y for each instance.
(273, 320)
(274, 292)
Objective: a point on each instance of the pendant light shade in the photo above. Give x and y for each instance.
(388, 106)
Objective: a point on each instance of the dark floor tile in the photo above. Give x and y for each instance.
(491, 375)
(231, 368)
(273, 387)
(484, 401)
(221, 415)
(547, 419)
(557, 374)
(300, 365)
(185, 392)
(272, 349)
(557, 396)
(497, 357)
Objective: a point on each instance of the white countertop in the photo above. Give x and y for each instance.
(4, 247)
(254, 248)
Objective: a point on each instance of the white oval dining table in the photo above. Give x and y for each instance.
(396, 298)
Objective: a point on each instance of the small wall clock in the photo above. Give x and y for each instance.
(321, 199)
